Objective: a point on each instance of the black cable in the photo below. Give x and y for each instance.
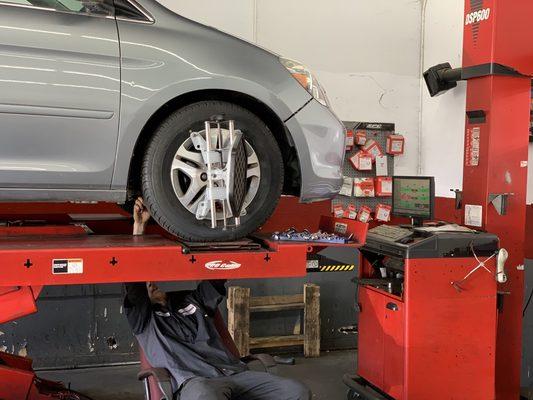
(527, 304)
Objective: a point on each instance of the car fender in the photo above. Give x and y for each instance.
(134, 119)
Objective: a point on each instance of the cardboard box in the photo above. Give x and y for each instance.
(360, 138)
(383, 212)
(373, 148)
(364, 214)
(384, 186)
(395, 144)
(349, 140)
(364, 187)
(361, 161)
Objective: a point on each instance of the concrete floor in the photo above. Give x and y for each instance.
(323, 376)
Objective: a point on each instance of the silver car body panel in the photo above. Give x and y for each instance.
(176, 56)
(319, 138)
(59, 118)
(57, 195)
(59, 99)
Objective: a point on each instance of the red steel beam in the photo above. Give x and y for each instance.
(31, 262)
(126, 258)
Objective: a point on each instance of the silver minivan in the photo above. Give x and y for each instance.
(104, 100)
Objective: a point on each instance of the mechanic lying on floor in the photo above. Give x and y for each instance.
(177, 332)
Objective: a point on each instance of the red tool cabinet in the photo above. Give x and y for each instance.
(425, 338)
(381, 338)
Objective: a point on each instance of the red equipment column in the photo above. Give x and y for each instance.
(498, 63)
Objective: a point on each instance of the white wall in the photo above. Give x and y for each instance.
(233, 16)
(443, 117)
(365, 52)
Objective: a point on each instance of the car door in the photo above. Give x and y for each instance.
(59, 96)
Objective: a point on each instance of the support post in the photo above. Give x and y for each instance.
(501, 168)
(239, 318)
(311, 320)
(498, 64)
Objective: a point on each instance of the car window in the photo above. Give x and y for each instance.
(23, 2)
(91, 7)
(124, 9)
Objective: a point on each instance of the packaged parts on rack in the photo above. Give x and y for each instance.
(373, 148)
(383, 186)
(347, 187)
(360, 138)
(350, 212)
(338, 211)
(349, 140)
(382, 167)
(364, 214)
(395, 144)
(364, 187)
(361, 161)
(383, 212)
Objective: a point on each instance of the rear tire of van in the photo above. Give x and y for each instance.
(166, 187)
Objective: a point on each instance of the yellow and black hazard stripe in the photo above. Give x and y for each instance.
(336, 268)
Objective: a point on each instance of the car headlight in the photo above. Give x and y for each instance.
(305, 77)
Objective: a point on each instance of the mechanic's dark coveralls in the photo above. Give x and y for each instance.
(182, 338)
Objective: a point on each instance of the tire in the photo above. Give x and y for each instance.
(158, 191)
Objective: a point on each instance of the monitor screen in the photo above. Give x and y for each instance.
(413, 196)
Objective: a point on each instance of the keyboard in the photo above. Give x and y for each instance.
(389, 232)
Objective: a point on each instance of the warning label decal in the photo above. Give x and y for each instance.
(67, 266)
(472, 146)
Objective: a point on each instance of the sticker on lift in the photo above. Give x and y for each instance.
(474, 215)
(67, 266)
(313, 264)
(340, 228)
(478, 16)
(472, 146)
(222, 265)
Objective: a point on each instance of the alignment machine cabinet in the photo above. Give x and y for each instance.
(427, 325)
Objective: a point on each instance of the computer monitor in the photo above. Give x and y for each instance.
(413, 197)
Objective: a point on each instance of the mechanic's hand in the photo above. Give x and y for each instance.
(141, 215)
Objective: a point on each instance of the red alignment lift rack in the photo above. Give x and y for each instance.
(32, 257)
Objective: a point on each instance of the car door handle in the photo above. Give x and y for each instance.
(392, 306)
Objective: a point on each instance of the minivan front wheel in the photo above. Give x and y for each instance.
(174, 174)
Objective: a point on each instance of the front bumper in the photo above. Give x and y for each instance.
(319, 138)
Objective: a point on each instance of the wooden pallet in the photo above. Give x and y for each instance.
(241, 305)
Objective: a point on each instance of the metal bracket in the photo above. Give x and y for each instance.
(458, 198)
(500, 201)
(219, 155)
